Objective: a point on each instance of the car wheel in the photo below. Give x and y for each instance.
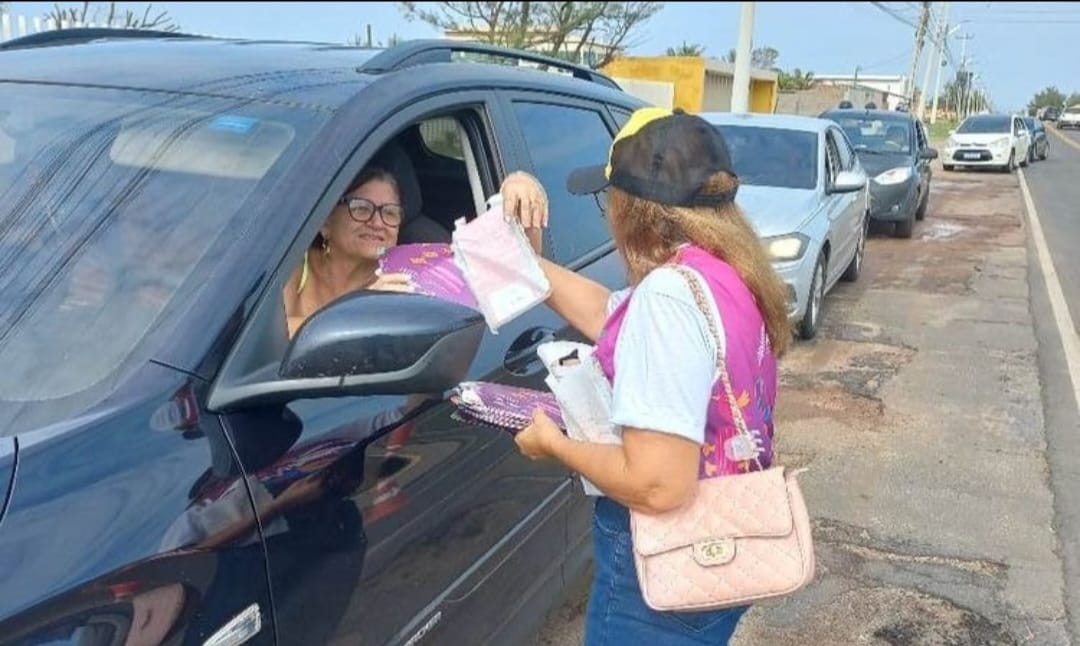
(920, 213)
(854, 268)
(1045, 152)
(1027, 156)
(1010, 166)
(811, 320)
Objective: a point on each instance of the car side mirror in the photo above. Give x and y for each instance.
(928, 153)
(848, 181)
(367, 343)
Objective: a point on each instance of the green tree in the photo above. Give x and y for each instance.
(686, 49)
(1074, 99)
(564, 29)
(1046, 97)
(795, 80)
(762, 58)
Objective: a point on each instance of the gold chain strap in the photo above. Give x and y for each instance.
(721, 367)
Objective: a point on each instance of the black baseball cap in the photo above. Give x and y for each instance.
(661, 155)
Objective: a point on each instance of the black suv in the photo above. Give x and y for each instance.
(175, 470)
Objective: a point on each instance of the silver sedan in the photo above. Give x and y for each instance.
(805, 193)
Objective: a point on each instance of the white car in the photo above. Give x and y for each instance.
(988, 140)
(806, 194)
(1070, 118)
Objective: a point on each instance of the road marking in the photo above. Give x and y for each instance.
(1066, 328)
(1061, 135)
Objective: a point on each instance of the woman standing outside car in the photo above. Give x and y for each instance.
(671, 207)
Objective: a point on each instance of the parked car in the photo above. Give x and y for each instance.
(1070, 118)
(896, 153)
(1049, 113)
(988, 140)
(1040, 142)
(805, 192)
(180, 471)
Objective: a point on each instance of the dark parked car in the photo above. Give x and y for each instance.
(1040, 143)
(895, 151)
(173, 469)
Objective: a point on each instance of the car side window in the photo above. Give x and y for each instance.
(845, 154)
(621, 115)
(832, 159)
(920, 134)
(561, 138)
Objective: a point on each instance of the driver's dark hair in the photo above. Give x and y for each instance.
(368, 174)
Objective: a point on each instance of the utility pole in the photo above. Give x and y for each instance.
(740, 92)
(963, 78)
(931, 61)
(943, 42)
(920, 36)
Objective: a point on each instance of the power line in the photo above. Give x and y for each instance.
(895, 14)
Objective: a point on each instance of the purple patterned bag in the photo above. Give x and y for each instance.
(509, 408)
(432, 269)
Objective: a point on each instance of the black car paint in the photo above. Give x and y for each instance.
(896, 202)
(472, 540)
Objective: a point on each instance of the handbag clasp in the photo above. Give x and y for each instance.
(714, 552)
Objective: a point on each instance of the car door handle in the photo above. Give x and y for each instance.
(521, 359)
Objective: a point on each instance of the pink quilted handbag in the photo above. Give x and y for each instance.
(742, 539)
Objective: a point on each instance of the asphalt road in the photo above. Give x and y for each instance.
(935, 413)
(1055, 193)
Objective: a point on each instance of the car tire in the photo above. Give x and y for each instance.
(1010, 165)
(811, 320)
(854, 268)
(920, 213)
(1045, 153)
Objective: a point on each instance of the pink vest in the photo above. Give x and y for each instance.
(750, 363)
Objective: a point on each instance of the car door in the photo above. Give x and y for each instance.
(1022, 138)
(556, 135)
(845, 209)
(386, 518)
(922, 165)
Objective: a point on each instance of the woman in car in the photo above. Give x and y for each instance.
(344, 256)
(670, 202)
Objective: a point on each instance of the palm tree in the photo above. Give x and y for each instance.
(686, 49)
(795, 80)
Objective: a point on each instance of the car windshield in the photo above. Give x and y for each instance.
(765, 156)
(985, 125)
(876, 135)
(112, 206)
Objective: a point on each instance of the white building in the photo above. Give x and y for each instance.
(893, 85)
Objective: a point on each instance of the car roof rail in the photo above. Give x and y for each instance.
(425, 51)
(76, 35)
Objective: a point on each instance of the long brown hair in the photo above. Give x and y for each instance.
(648, 235)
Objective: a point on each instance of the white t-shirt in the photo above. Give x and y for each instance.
(665, 359)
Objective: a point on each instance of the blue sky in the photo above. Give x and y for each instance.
(1018, 48)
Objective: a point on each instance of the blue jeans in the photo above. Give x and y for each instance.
(617, 614)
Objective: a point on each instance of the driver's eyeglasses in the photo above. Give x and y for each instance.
(362, 210)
